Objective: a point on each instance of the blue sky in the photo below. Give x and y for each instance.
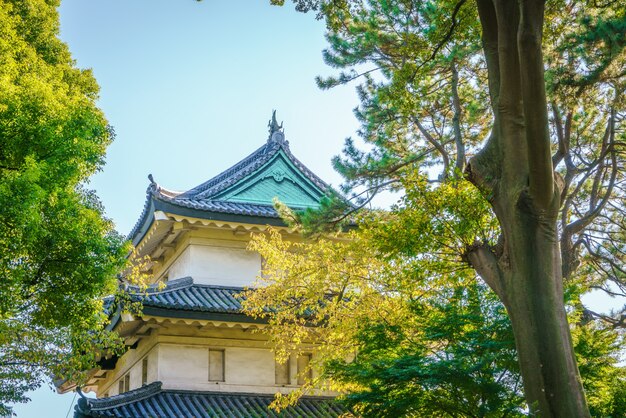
(189, 88)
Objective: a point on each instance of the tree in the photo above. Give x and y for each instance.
(532, 93)
(396, 298)
(429, 339)
(464, 364)
(58, 254)
(598, 349)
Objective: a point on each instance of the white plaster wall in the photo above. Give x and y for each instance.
(131, 362)
(153, 366)
(112, 391)
(244, 366)
(215, 265)
(186, 366)
(181, 267)
(115, 375)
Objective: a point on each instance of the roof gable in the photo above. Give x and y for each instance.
(277, 178)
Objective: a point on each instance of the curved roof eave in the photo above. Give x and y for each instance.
(144, 221)
(203, 201)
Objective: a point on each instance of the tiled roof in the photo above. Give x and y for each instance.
(183, 294)
(206, 196)
(153, 401)
(236, 208)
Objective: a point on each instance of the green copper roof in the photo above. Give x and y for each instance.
(278, 178)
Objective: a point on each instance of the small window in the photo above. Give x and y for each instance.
(304, 368)
(144, 371)
(216, 365)
(124, 384)
(282, 373)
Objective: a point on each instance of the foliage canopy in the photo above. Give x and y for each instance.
(58, 254)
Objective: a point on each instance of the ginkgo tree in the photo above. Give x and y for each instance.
(524, 99)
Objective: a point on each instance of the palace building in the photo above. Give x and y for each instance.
(192, 352)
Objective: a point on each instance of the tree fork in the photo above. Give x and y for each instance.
(527, 279)
(520, 186)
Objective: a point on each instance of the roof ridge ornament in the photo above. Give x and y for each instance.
(277, 133)
(153, 187)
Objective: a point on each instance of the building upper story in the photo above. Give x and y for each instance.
(203, 232)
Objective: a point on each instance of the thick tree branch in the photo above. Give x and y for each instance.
(484, 261)
(456, 121)
(481, 170)
(510, 113)
(489, 38)
(540, 170)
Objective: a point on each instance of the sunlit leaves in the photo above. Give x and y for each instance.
(398, 269)
(419, 68)
(428, 105)
(58, 255)
(598, 352)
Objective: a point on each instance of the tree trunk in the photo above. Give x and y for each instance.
(514, 170)
(525, 272)
(533, 296)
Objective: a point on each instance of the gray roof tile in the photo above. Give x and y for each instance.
(153, 401)
(183, 294)
(226, 207)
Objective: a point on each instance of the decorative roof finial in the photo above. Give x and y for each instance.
(273, 124)
(275, 130)
(153, 184)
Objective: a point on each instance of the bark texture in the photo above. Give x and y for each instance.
(515, 170)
